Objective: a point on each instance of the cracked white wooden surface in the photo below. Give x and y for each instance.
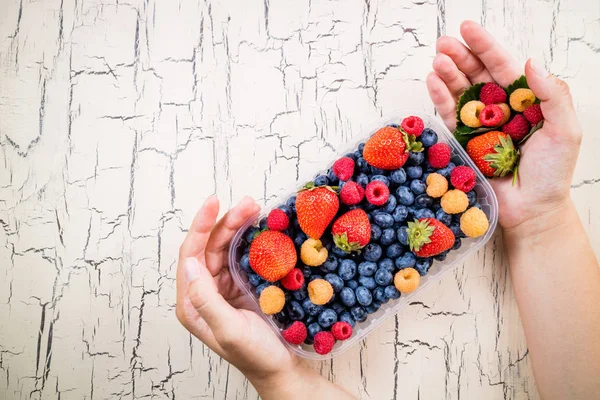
(118, 118)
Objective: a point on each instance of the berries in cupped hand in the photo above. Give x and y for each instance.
(377, 193)
(521, 98)
(294, 280)
(324, 342)
(352, 193)
(313, 253)
(492, 93)
(491, 115)
(533, 114)
(315, 208)
(341, 330)
(439, 155)
(493, 153)
(437, 185)
(474, 222)
(469, 113)
(295, 333)
(517, 128)
(463, 178)
(271, 300)
(429, 237)
(343, 168)
(320, 291)
(413, 125)
(272, 255)
(352, 231)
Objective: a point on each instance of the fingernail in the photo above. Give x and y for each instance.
(192, 268)
(539, 68)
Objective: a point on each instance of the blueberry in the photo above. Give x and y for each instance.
(245, 262)
(388, 236)
(363, 296)
(262, 287)
(444, 218)
(423, 265)
(380, 178)
(336, 282)
(456, 218)
(352, 284)
(351, 155)
(313, 277)
(295, 311)
(291, 202)
(362, 180)
(347, 317)
(411, 211)
(372, 252)
(347, 297)
(386, 264)
(391, 292)
(472, 196)
(296, 224)
(338, 308)
(428, 137)
(331, 264)
(445, 172)
(394, 125)
(457, 244)
(310, 319)
(282, 317)
(377, 171)
(327, 318)
(262, 224)
(250, 233)
(300, 294)
(311, 308)
(375, 232)
(367, 268)
(398, 176)
(383, 219)
(307, 272)
(379, 295)
(402, 235)
(367, 281)
(442, 256)
(408, 260)
(358, 313)
(423, 201)
(418, 186)
(321, 180)
(372, 308)
(383, 277)
(424, 213)
(312, 330)
(361, 147)
(404, 196)
(416, 158)
(400, 213)
(338, 252)
(455, 228)
(347, 269)
(254, 279)
(436, 205)
(287, 210)
(394, 250)
(362, 165)
(390, 205)
(414, 172)
(299, 239)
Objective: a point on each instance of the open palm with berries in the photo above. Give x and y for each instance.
(548, 158)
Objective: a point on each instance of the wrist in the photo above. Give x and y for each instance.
(283, 384)
(552, 217)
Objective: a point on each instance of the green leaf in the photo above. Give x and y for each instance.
(535, 128)
(520, 83)
(463, 130)
(472, 93)
(463, 133)
(462, 139)
(483, 129)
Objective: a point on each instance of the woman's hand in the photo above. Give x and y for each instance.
(548, 157)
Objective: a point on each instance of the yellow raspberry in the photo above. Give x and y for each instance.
(474, 222)
(506, 111)
(437, 185)
(320, 291)
(272, 300)
(469, 113)
(313, 253)
(407, 280)
(522, 98)
(455, 201)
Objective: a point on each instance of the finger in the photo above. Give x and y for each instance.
(442, 99)
(455, 80)
(224, 231)
(464, 59)
(502, 67)
(193, 322)
(556, 102)
(197, 237)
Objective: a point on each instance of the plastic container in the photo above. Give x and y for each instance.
(485, 196)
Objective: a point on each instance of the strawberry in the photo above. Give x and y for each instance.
(352, 231)
(315, 208)
(272, 255)
(389, 148)
(493, 153)
(428, 237)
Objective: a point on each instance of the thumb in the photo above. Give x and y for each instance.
(204, 295)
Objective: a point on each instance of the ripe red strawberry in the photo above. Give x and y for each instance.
(428, 237)
(439, 155)
(315, 208)
(517, 127)
(534, 114)
(492, 93)
(389, 148)
(413, 125)
(278, 220)
(493, 153)
(352, 193)
(341, 330)
(343, 168)
(296, 333)
(272, 255)
(352, 231)
(491, 115)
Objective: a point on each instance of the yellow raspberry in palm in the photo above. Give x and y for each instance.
(521, 98)
(312, 252)
(506, 113)
(271, 300)
(437, 185)
(474, 222)
(469, 113)
(454, 201)
(320, 291)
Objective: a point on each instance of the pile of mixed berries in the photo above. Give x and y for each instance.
(361, 234)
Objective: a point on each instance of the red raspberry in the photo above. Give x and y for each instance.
(533, 114)
(491, 115)
(377, 193)
(295, 333)
(492, 93)
(463, 178)
(341, 330)
(324, 342)
(439, 155)
(517, 127)
(352, 193)
(413, 125)
(277, 220)
(344, 168)
(294, 280)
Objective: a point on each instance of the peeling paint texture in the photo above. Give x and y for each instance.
(119, 117)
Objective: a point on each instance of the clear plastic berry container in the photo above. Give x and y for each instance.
(485, 197)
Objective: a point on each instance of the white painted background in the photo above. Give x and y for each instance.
(118, 118)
